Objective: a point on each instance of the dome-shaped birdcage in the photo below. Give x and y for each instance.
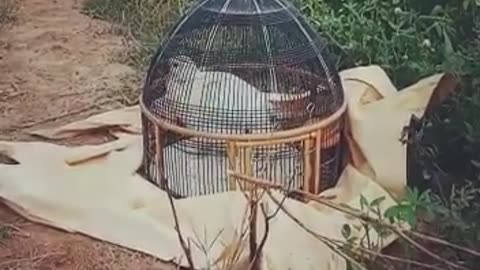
(242, 85)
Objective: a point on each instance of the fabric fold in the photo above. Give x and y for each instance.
(96, 190)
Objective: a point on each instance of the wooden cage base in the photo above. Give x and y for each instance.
(313, 140)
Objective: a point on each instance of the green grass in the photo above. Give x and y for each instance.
(408, 40)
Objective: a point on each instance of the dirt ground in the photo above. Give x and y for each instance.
(57, 66)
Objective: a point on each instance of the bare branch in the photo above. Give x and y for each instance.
(443, 242)
(254, 263)
(399, 231)
(185, 247)
(329, 242)
(253, 232)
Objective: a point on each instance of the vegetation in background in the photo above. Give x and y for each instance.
(443, 234)
(410, 39)
(8, 9)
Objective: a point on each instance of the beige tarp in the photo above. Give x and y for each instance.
(106, 199)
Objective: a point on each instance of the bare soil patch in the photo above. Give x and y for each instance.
(58, 66)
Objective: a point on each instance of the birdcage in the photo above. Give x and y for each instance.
(242, 86)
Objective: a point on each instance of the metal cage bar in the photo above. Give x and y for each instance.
(242, 85)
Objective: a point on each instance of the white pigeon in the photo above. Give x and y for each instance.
(213, 91)
(210, 92)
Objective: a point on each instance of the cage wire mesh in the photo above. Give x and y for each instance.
(240, 67)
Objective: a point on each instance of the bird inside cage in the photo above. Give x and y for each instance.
(223, 91)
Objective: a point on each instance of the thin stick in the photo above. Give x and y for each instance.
(17, 230)
(254, 262)
(398, 231)
(15, 87)
(323, 239)
(336, 242)
(253, 232)
(186, 249)
(57, 117)
(35, 258)
(426, 251)
(443, 242)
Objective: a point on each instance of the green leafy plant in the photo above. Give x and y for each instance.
(454, 220)
(358, 237)
(407, 209)
(408, 42)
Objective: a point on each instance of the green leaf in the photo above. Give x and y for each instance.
(346, 231)
(399, 212)
(422, 199)
(448, 48)
(410, 217)
(363, 202)
(392, 212)
(436, 10)
(377, 201)
(396, 2)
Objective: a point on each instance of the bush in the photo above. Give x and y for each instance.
(409, 39)
(443, 231)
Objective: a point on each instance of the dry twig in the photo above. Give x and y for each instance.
(338, 244)
(185, 247)
(17, 230)
(329, 242)
(35, 259)
(443, 242)
(64, 115)
(253, 199)
(399, 231)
